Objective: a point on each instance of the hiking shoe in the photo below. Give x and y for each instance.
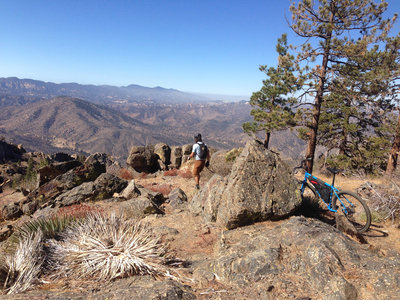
(197, 186)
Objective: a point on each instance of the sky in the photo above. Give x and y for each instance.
(202, 46)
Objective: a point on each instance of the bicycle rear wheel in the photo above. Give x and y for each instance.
(355, 209)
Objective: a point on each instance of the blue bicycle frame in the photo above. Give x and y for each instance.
(333, 191)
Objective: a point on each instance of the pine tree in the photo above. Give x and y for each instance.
(274, 101)
(354, 115)
(393, 70)
(336, 31)
(394, 155)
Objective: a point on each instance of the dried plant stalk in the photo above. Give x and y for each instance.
(22, 269)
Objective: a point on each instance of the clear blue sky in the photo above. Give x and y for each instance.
(206, 46)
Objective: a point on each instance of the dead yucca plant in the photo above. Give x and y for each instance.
(50, 228)
(106, 248)
(20, 270)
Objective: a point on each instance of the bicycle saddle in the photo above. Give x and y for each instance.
(333, 170)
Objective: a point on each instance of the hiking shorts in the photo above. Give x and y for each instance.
(198, 167)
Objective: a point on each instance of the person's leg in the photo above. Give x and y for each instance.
(198, 167)
(197, 181)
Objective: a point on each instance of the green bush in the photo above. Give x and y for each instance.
(233, 154)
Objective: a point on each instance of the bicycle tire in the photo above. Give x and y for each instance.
(358, 215)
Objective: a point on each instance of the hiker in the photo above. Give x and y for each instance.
(202, 158)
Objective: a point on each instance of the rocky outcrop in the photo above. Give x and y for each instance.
(60, 157)
(176, 157)
(260, 187)
(49, 172)
(143, 159)
(102, 188)
(11, 211)
(186, 151)
(164, 155)
(301, 258)
(219, 164)
(47, 193)
(9, 152)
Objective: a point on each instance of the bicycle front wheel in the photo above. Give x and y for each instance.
(355, 209)
(312, 204)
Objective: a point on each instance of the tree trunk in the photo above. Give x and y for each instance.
(395, 152)
(312, 141)
(343, 143)
(266, 140)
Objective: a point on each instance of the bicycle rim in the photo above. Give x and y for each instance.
(355, 209)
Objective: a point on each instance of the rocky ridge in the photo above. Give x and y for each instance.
(279, 254)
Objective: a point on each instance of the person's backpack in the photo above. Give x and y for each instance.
(203, 151)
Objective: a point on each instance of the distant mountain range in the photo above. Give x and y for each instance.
(12, 90)
(101, 119)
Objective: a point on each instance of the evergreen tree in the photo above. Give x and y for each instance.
(354, 115)
(274, 101)
(394, 154)
(393, 66)
(336, 31)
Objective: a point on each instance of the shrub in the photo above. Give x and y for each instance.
(78, 210)
(105, 248)
(18, 271)
(233, 154)
(172, 172)
(384, 201)
(96, 248)
(49, 228)
(126, 174)
(143, 175)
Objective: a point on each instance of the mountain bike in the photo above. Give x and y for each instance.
(353, 207)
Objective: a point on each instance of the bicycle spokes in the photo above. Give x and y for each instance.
(355, 210)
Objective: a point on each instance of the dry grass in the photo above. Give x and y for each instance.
(19, 271)
(384, 200)
(78, 210)
(172, 172)
(349, 183)
(105, 248)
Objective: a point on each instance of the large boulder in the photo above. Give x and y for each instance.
(105, 186)
(177, 198)
(186, 151)
(143, 159)
(139, 207)
(164, 155)
(220, 164)
(260, 187)
(49, 172)
(176, 157)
